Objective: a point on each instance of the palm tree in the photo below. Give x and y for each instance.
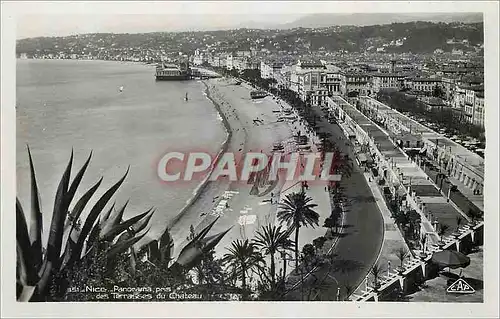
(442, 230)
(269, 240)
(459, 220)
(242, 257)
(297, 211)
(401, 253)
(376, 272)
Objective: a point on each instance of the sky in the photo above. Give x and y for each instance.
(62, 24)
(45, 18)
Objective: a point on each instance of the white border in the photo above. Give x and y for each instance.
(10, 308)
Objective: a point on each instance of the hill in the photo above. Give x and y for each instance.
(365, 19)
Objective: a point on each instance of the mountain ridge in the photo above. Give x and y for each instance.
(320, 20)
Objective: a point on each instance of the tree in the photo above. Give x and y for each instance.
(443, 228)
(401, 253)
(459, 220)
(297, 211)
(376, 272)
(330, 223)
(308, 254)
(242, 257)
(319, 242)
(475, 214)
(438, 92)
(270, 239)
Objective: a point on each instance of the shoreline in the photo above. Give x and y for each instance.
(198, 191)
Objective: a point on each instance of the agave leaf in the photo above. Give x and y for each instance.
(77, 211)
(26, 294)
(192, 253)
(189, 255)
(166, 246)
(133, 261)
(165, 238)
(142, 224)
(115, 231)
(125, 236)
(36, 226)
(123, 246)
(78, 179)
(153, 251)
(210, 242)
(24, 249)
(93, 215)
(204, 231)
(93, 237)
(58, 217)
(82, 202)
(21, 267)
(107, 214)
(113, 219)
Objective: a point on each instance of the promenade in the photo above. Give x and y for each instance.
(360, 240)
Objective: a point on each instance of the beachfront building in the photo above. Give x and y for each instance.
(316, 81)
(270, 69)
(302, 67)
(199, 57)
(217, 61)
(242, 63)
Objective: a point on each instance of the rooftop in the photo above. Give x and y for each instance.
(426, 79)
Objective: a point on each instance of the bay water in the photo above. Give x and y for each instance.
(66, 104)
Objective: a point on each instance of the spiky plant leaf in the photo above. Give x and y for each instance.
(212, 241)
(77, 180)
(133, 261)
(36, 226)
(74, 233)
(121, 247)
(115, 231)
(24, 249)
(166, 246)
(125, 236)
(111, 220)
(143, 223)
(58, 216)
(94, 214)
(153, 252)
(93, 238)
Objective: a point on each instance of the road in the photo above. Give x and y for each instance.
(358, 247)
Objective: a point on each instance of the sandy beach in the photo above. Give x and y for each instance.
(245, 213)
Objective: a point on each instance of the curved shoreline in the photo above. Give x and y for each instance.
(201, 187)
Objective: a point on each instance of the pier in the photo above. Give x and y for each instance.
(203, 74)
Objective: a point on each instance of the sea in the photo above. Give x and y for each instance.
(65, 105)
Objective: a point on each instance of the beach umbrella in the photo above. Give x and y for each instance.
(450, 258)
